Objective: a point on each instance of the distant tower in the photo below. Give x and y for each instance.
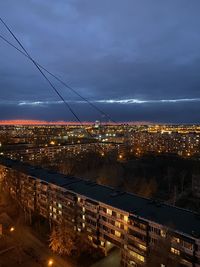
(97, 124)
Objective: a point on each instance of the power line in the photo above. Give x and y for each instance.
(61, 81)
(46, 78)
(43, 74)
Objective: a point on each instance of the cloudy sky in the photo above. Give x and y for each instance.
(136, 60)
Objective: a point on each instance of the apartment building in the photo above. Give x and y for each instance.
(140, 227)
(30, 153)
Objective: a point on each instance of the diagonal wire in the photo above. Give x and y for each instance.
(43, 74)
(50, 83)
(61, 81)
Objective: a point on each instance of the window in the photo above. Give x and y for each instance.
(188, 245)
(176, 239)
(175, 251)
(54, 210)
(108, 211)
(117, 224)
(142, 247)
(90, 238)
(163, 233)
(126, 218)
(155, 230)
(137, 256)
(118, 234)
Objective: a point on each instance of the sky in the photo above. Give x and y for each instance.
(135, 60)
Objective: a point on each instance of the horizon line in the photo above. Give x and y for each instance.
(61, 122)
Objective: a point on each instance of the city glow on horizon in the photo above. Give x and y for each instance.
(43, 122)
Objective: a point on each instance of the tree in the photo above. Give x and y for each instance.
(62, 240)
(65, 241)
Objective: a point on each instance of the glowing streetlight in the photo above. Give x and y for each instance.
(50, 262)
(12, 229)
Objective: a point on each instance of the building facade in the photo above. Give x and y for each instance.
(140, 227)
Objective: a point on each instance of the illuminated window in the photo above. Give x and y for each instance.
(142, 247)
(102, 243)
(83, 209)
(109, 212)
(79, 199)
(83, 217)
(54, 210)
(137, 256)
(126, 218)
(90, 238)
(175, 251)
(118, 234)
(117, 224)
(163, 233)
(59, 206)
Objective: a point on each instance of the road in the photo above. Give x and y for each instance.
(41, 250)
(112, 260)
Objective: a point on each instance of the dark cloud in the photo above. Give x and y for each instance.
(146, 50)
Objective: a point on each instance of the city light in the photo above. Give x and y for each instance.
(50, 262)
(12, 229)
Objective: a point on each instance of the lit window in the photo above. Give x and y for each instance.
(118, 234)
(90, 238)
(163, 233)
(117, 224)
(59, 206)
(175, 251)
(176, 239)
(102, 243)
(109, 212)
(126, 218)
(142, 247)
(137, 256)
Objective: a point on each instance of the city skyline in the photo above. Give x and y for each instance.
(135, 61)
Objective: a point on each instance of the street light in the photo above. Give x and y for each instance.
(12, 229)
(50, 262)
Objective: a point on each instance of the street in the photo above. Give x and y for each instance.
(112, 260)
